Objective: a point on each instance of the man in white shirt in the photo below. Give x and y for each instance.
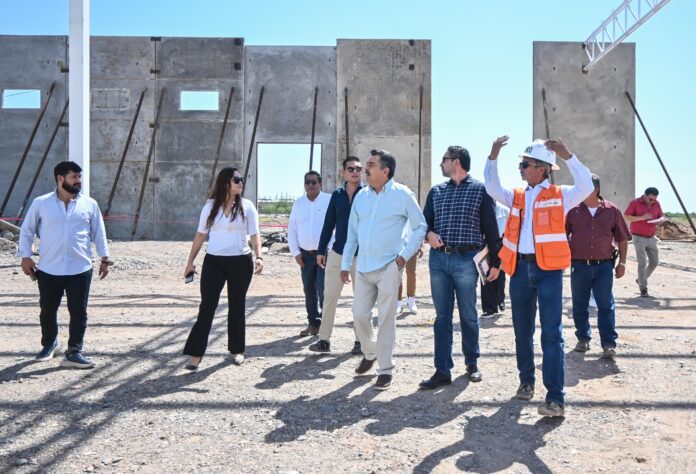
(535, 252)
(377, 220)
(304, 231)
(67, 223)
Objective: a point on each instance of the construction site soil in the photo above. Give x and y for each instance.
(289, 410)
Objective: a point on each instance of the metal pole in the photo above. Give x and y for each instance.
(314, 124)
(420, 141)
(43, 160)
(155, 126)
(253, 136)
(546, 125)
(222, 136)
(125, 151)
(26, 149)
(345, 101)
(681, 203)
(78, 88)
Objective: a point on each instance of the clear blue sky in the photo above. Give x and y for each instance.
(481, 53)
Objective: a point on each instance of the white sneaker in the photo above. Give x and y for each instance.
(412, 305)
(399, 306)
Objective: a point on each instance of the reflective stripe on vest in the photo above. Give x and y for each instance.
(548, 225)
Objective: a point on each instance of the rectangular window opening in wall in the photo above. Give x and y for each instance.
(199, 100)
(280, 174)
(21, 99)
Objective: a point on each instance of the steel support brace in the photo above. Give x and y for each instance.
(664, 168)
(314, 125)
(147, 163)
(253, 137)
(222, 137)
(345, 102)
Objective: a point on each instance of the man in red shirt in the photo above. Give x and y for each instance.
(593, 227)
(644, 213)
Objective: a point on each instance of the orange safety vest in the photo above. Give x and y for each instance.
(548, 226)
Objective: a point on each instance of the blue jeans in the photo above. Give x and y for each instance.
(599, 279)
(313, 285)
(450, 275)
(528, 285)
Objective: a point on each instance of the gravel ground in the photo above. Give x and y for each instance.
(288, 410)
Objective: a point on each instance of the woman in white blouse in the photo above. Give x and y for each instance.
(227, 220)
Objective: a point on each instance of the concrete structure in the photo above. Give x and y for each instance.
(384, 80)
(589, 111)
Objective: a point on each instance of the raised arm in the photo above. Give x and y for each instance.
(491, 177)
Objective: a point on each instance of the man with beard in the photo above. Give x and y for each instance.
(67, 223)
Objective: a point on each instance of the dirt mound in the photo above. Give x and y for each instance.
(672, 230)
(7, 247)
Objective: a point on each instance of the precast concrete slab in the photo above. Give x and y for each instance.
(589, 111)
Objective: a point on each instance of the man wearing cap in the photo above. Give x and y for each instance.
(593, 227)
(643, 214)
(534, 253)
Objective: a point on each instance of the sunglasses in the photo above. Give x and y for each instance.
(354, 169)
(311, 182)
(237, 180)
(526, 164)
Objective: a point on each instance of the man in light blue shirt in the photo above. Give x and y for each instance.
(67, 224)
(376, 224)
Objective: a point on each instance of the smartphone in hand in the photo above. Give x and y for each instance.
(32, 275)
(189, 277)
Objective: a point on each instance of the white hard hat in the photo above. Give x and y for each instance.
(538, 151)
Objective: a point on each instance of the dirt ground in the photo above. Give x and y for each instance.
(288, 410)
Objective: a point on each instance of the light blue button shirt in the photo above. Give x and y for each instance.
(376, 224)
(66, 233)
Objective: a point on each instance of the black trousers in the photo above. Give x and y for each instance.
(217, 270)
(493, 294)
(51, 290)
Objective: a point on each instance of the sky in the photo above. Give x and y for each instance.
(481, 59)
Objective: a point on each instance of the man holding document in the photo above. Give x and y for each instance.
(461, 219)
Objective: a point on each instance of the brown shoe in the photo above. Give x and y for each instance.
(309, 331)
(364, 366)
(383, 382)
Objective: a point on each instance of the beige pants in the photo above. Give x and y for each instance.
(379, 287)
(333, 285)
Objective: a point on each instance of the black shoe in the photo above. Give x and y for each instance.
(383, 382)
(320, 346)
(644, 293)
(488, 314)
(437, 380)
(501, 306)
(473, 373)
(364, 366)
(357, 350)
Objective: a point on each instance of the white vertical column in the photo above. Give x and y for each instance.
(79, 89)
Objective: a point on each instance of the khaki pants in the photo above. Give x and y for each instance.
(378, 287)
(333, 285)
(410, 278)
(647, 256)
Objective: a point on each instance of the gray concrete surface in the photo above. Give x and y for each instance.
(383, 77)
(590, 111)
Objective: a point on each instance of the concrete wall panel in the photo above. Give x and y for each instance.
(31, 62)
(181, 193)
(384, 79)
(289, 76)
(590, 111)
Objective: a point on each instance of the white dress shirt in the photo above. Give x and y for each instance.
(66, 234)
(306, 222)
(572, 195)
(377, 224)
(227, 237)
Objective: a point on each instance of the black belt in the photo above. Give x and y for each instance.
(591, 262)
(458, 249)
(311, 252)
(530, 257)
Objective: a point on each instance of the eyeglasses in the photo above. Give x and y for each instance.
(526, 164)
(354, 169)
(310, 182)
(237, 180)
